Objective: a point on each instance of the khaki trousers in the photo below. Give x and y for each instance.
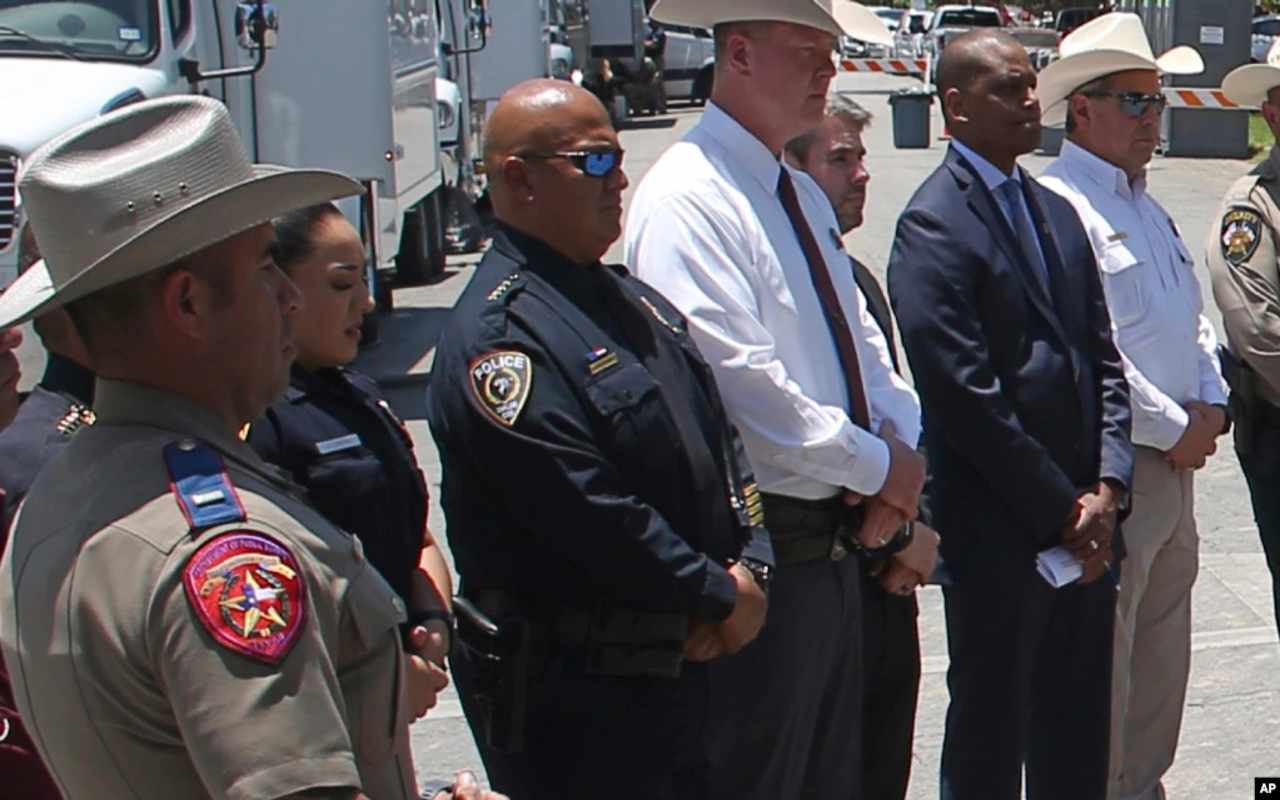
(1153, 628)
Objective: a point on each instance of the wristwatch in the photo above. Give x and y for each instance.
(422, 616)
(761, 572)
(895, 545)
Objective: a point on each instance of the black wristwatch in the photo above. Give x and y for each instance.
(422, 616)
(761, 572)
(894, 546)
(1226, 412)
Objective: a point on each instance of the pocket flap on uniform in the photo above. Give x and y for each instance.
(1116, 258)
(621, 389)
(376, 610)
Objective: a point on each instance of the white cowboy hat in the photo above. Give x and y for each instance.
(837, 17)
(1248, 85)
(1111, 43)
(141, 188)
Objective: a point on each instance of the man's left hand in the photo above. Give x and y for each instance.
(921, 553)
(880, 522)
(425, 677)
(1095, 522)
(900, 580)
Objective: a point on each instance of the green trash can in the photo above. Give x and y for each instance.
(911, 117)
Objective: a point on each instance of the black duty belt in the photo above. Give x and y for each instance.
(810, 530)
(611, 640)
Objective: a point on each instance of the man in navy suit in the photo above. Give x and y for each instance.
(1026, 411)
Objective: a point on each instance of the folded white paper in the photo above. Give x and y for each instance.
(1058, 567)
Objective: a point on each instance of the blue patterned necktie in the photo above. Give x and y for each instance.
(1023, 229)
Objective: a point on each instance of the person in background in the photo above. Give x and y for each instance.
(1026, 413)
(209, 632)
(600, 509)
(834, 155)
(1108, 86)
(1243, 256)
(338, 438)
(749, 250)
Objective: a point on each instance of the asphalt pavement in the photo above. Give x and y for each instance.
(1232, 721)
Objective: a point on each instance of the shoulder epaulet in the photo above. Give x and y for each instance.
(201, 485)
(504, 287)
(78, 416)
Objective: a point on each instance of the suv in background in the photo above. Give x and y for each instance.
(949, 22)
(908, 37)
(1264, 30)
(1071, 18)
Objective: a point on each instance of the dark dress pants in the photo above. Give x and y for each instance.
(589, 737)
(1260, 461)
(891, 687)
(786, 712)
(1030, 682)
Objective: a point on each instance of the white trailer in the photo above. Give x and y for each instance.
(344, 85)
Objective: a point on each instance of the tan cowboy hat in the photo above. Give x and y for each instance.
(1248, 85)
(141, 188)
(837, 17)
(1111, 43)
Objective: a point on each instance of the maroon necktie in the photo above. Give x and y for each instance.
(831, 310)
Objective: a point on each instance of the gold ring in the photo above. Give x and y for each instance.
(882, 541)
(1094, 544)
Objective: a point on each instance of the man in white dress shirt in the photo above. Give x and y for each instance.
(1169, 350)
(750, 251)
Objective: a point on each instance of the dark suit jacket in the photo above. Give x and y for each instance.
(1025, 401)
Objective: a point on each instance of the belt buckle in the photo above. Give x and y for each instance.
(838, 550)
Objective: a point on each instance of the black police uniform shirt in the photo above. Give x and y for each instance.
(586, 455)
(55, 409)
(338, 438)
(49, 416)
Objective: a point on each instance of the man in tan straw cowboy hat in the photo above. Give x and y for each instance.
(750, 250)
(176, 621)
(1109, 84)
(1243, 255)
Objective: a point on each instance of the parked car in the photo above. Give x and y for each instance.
(949, 22)
(1071, 18)
(1265, 30)
(688, 62)
(908, 36)
(1041, 44)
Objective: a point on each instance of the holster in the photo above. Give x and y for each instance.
(501, 653)
(1247, 406)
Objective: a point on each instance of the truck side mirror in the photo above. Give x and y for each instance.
(257, 23)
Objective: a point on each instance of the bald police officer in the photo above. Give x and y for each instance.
(1241, 254)
(208, 633)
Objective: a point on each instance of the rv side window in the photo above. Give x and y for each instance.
(179, 18)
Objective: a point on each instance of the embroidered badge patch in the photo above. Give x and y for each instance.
(500, 382)
(1241, 234)
(246, 591)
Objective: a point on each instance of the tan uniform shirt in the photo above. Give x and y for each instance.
(127, 692)
(1242, 257)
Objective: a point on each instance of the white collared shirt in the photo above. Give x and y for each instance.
(1168, 346)
(707, 228)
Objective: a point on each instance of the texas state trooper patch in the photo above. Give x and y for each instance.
(246, 591)
(1241, 234)
(500, 382)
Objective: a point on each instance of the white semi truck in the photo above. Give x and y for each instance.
(354, 86)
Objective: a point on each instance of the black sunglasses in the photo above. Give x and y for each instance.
(1135, 104)
(596, 163)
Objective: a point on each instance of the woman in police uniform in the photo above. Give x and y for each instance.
(333, 431)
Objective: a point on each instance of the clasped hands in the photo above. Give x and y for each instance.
(1090, 528)
(1205, 423)
(424, 662)
(896, 504)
